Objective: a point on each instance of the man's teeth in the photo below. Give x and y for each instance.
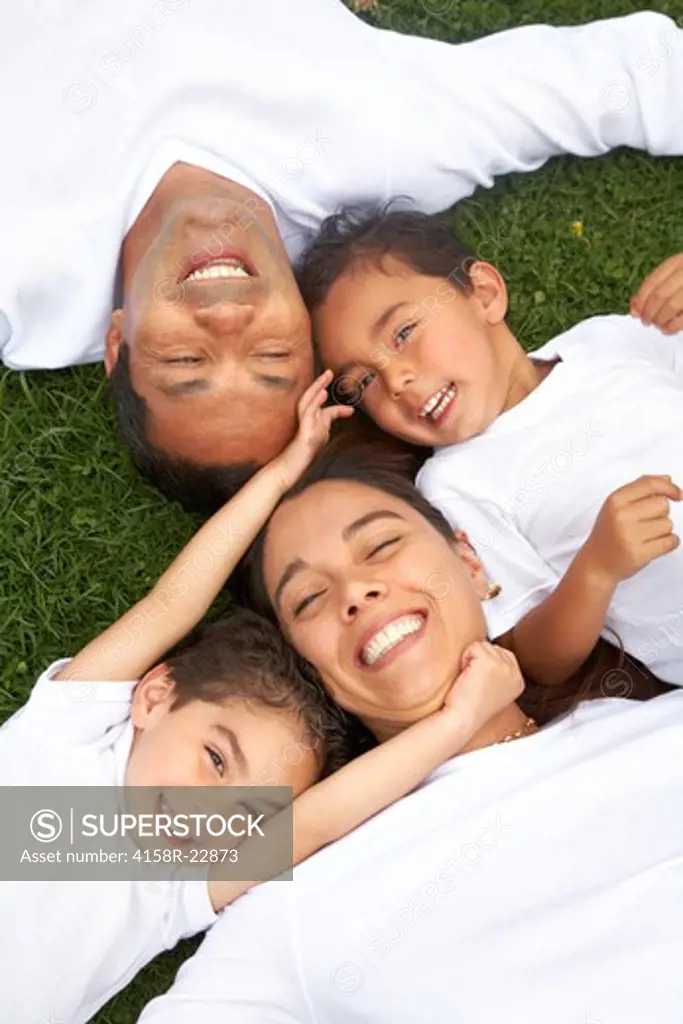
(385, 639)
(220, 269)
(438, 403)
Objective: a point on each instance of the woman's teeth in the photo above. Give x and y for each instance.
(437, 404)
(384, 640)
(220, 269)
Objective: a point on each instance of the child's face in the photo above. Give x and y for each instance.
(238, 743)
(419, 355)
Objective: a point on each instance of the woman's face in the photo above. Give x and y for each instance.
(374, 597)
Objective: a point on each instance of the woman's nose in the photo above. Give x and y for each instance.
(361, 594)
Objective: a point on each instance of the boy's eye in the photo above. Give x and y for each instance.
(403, 334)
(383, 546)
(218, 762)
(306, 603)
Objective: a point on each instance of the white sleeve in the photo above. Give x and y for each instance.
(633, 338)
(77, 710)
(244, 972)
(510, 101)
(507, 556)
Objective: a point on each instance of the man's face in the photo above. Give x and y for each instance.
(219, 338)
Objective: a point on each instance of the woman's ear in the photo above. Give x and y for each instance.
(472, 562)
(152, 697)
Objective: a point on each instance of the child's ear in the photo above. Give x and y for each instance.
(152, 697)
(490, 292)
(472, 562)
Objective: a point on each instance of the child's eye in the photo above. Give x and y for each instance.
(403, 334)
(365, 382)
(306, 603)
(385, 544)
(218, 762)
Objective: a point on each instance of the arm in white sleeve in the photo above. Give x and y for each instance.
(510, 101)
(508, 558)
(245, 971)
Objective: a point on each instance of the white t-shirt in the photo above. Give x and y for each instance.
(302, 102)
(68, 947)
(535, 881)
(529, 489)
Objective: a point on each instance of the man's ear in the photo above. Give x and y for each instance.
(472, 562)
(152, 697)
(113, 341)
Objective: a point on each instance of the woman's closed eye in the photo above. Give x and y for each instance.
(384, 545)
(307, 602)
(217, 760)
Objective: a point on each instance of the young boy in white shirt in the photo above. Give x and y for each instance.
(222, 712)
(562, 466)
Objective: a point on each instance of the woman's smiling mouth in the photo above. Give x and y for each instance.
(390, 639)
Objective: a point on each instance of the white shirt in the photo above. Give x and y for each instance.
(302, 102)
(535, 881)
(528, 490)
(68, 947)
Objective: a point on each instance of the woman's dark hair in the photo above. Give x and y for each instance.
(607, 672)
(354, 236)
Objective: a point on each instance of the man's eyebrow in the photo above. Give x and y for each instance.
(350, 531)
(237, 751)
(384, 317)
(272, 381)
(288, 575)
(185, 387)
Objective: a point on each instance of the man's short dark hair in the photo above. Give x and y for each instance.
(353, 237)
(245, 657)
(198, 488)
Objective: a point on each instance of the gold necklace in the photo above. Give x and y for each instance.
(528, 727)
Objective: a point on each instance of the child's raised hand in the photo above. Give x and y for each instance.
(315, 422)
(633, 528)
(489, 681)
(659, 300)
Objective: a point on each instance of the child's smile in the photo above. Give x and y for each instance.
(418, 353)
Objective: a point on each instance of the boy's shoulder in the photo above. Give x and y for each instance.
(63, 717)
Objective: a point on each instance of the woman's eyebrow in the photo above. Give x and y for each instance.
(288, 575)
(350, 531)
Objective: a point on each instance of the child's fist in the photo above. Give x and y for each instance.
(489, 681)
(659, 300)
(633, 528)
(315, 422)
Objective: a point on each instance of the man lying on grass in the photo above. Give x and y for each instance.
(169, 160)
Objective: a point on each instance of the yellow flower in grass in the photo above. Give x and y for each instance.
(578, 228)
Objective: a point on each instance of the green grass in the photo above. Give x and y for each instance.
(81, 538)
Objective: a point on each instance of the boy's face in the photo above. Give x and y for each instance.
(418, 355)
(238, 743)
